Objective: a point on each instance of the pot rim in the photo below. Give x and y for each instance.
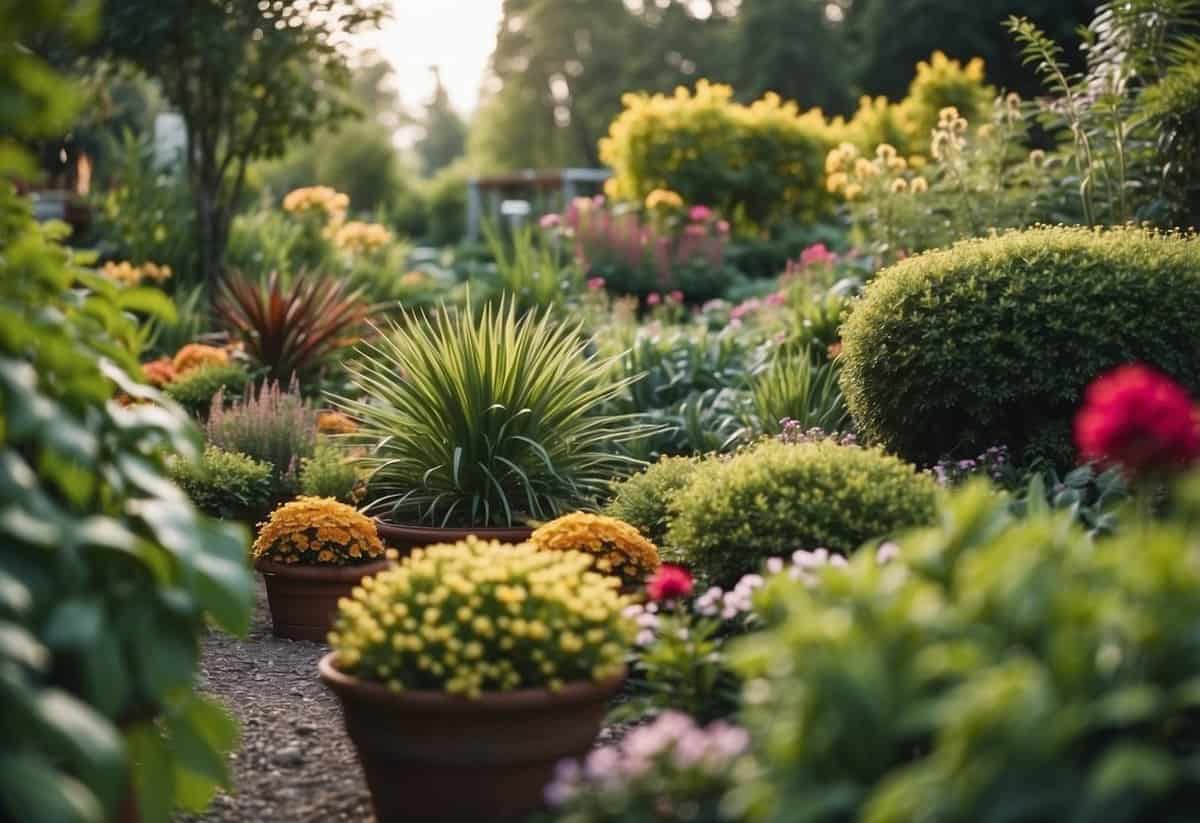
(349, 686)
(319, 571)
(442, 533)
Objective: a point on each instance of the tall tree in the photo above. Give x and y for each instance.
(247, 77)
(443, 133)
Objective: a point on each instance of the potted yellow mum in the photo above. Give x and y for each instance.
(312, 552)
(619, 548)
(467, 670)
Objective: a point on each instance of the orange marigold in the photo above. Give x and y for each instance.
(619, 548)
(318, 530)
(194, 355)
(334, 422)
(159, 372)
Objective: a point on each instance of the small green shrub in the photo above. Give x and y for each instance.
(993, 340)
(329, 474)
(775, 498)
(1001, 669)
(225, 484)
(642, 499)
(194, 390)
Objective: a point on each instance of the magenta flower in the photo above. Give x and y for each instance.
(700, 214)
(653, 299)
(675, 297)
(817, 255)
(595, 283)
(550, 221)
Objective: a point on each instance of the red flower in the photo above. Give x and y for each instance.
(1139, 418)
(669, 582)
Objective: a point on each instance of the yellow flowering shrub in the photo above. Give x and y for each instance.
(195, 355)
(663, 199)
(329, 202)
(357, 237)
(756, 163)
(318, 530)
(941, 83)
(476, 616)
(335, 422)
(618, 547)
(127, 274)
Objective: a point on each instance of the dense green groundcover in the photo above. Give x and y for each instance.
(993, 340)
(775, 498)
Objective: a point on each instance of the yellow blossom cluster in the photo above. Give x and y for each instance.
(948, 136)
(195, 355)
(335, 422)
(318, 530)
(849, 173)
(475, 616)
(664, 199)
(127, 274)
(358, 237)
(414, 279)
(618, 547)
(325, 199)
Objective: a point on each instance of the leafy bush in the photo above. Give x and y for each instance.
(330, 472)
(775, 498)
(290, 329)
(941, 82)
(196, 389)
(758, 163)
(275, 426)
(567, 632)
(1002, 668)
(531, 270)
(993, 340)
(224, 484)
(642, 500)
(486, 418)
(318, 530)
(795, 388)
(1171, 107)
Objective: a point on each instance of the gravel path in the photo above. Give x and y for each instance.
(295, 762)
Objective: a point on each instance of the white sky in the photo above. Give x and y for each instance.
(455, 35)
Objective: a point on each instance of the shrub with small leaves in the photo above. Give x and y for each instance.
(224, 484)
(618, 547)
(775, 498)
(994, 340)
(478, 616)
(318, 530)
(195, 389)
(642, 499)
(328, 473)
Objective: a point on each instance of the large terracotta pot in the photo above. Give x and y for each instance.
(404, 538)
(429, 756)
(304, 598)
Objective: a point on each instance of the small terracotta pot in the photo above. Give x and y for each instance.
(404, 538)
(429, 756)
(304, 598)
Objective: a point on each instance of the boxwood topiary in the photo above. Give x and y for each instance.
(993, 340)
(775, 498)
(641, 500)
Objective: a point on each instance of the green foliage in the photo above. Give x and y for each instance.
(1171, 107)
(329, 473)
(941, 82)
(532, 272)
(444, 137)
(486, 418)
(1002, 668)
(195, 389)
(775, 498)
(108, 574)
(445, 201)
(263, 241)
(643, 500)
(993, 340)
(796, 387)
(225, 484)
(758, 163)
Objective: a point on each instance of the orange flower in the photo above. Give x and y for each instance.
(159, 372)
(194, 355)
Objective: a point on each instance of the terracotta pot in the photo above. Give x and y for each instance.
(404, 538)
(429, 756)
(304, 598)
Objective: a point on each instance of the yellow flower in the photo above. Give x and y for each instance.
(333, 204)
(194, 355)
(361, 238)
(864, 169)
(836, 182)
(853, 191)
(612, 189)
(335, 422)
(919, 185)
(615, 543)
(885, 152)
(322, 530)
(899, 186)
(664, 199)
(1037, 157)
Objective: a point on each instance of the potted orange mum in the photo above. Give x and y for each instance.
(312, 552)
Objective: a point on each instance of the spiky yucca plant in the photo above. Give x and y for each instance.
(290, 329)
(486, 418)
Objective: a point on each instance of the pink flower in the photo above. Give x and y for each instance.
(653, 298)
(776, 298)
(817, 255)
(595, 283)
(550, 221)
(1140, 418)
(700, 214)
(669, 582)
(723, 226)
(695, 230)
(675, 297)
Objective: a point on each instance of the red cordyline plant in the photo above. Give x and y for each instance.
(291, 329)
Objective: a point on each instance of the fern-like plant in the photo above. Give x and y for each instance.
(794, 387)
(486, 418)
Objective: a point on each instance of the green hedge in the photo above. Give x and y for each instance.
(642, 500)
(993, 340)
(775, 498)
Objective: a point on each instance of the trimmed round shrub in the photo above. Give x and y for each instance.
(776, 498)
(993, 340)
(641, 500)
(194, 390)
(224, 484)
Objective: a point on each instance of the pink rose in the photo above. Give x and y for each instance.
(653, 299)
